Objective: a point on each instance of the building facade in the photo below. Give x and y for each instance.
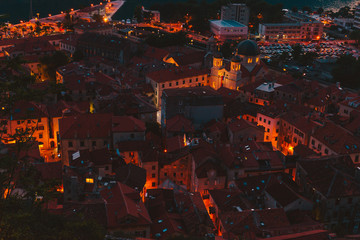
(238, 12)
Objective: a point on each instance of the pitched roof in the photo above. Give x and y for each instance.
(28, 110)
(123, 203)
(179, 123)
(51, 170)
(255, 221)
(331, 176)
(191, 91)
(337, 139)
(83, 126)
(172, 74)
(236, 125)
(127, 124)
(230, 200)
(131, 175)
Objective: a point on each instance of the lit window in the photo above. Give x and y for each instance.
(89, 180)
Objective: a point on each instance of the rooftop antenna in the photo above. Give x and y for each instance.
(31, 11)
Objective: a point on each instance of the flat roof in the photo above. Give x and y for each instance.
(227, 23)
(281, 24)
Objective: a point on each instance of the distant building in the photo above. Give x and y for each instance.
(346, 23)
(311, 30)
(150, 15)
(357, 17)
(238, 12)
(228, 29)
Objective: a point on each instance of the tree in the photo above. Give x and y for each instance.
(98, 18)
(297, 51)
(77, 56)
(355, 35)
(306, 9)
(320, 10)
(347, 71)
(50, 63)
(138, 14)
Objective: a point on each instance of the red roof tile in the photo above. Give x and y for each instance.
(179, 124)
(86, 126)
(172, 74)
(127, 124)
(122, 202)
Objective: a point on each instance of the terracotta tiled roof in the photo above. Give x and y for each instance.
(255, 221)
(122, 202)
(331, 176)
(50, 171)
(230, 200)
(179, 124)
(236, 125)
(28, 110)
(196, 91)
(172, 74)
(337, 139)
(86, 126)
(127, 124)
(131, 175)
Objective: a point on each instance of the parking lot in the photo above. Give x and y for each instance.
(325, 50)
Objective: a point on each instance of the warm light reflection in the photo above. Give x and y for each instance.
(89, 180)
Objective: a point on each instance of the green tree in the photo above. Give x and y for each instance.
(98, 18)
(297, 51)
(355, 35)
(77, 56)
(306, 9)
(320, 10)
(347, 71)
(50, 63)
(138, 14)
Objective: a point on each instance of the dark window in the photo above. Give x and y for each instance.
(326, 151)
(18, 122)
(177, 83)
(40, 135)
(153, 184)
(153, 167)
(165, 174)
(70, 144)
(94, 143)
(169, 84)
(313, 142)
(190, 80)
(357, 158)
(39, 120)
(163, 85)
(174, 174)
(153, 175)
(28, 121)
(132, 135)
(41, 128)
(82, 143)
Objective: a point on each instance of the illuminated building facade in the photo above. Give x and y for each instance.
(291, 31)
(244, 67)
